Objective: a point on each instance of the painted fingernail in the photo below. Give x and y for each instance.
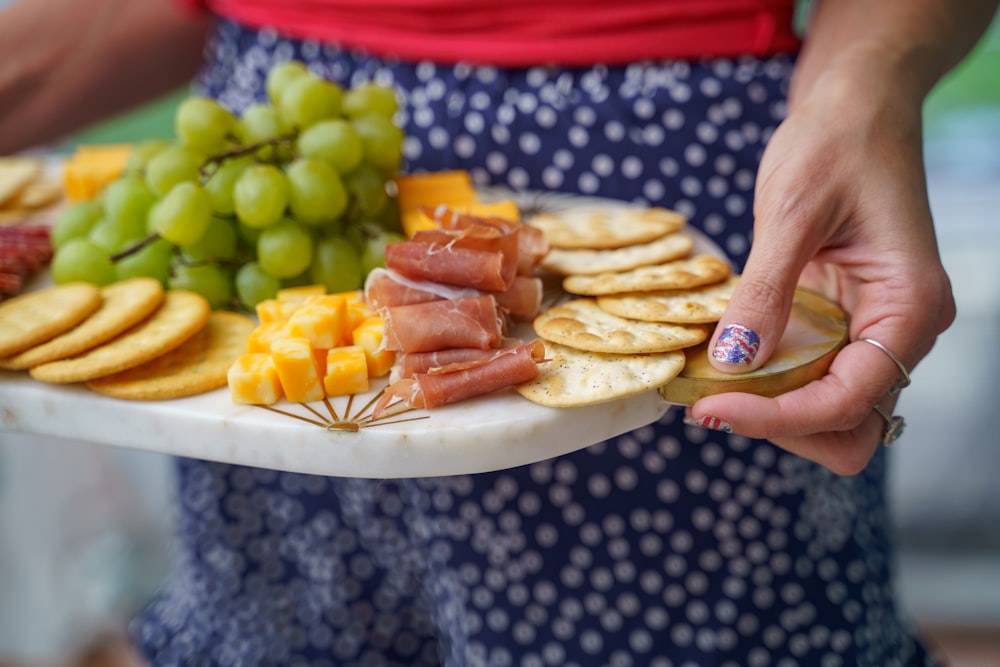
(708, 421)
(736, 345)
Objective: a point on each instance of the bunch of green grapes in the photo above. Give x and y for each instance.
(291, 192)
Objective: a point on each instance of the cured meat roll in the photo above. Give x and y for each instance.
(480, 256)
(438, 325)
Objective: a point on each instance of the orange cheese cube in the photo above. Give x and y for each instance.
(346, 371)
(368, 336)
(253, 380)
(452, 188)
(322, 320)
(296, 366)
(357, 313)
(91, 168)
(264, 335)
(274, 310)
(300, 293)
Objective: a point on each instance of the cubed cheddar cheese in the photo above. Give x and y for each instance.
(322, 320)
(346, 371)
(263, 335)
(91, 168)
(300, 293)
(368, 336)
(274, 310)
(253, 380)
(296, 366)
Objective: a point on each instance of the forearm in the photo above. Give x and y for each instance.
(65, 64)
(905, 45)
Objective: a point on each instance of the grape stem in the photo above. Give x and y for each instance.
(247, 149)
(131, 250)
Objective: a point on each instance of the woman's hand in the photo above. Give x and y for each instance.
(841, 207)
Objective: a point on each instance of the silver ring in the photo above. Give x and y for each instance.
(903, 380)
(894, 426)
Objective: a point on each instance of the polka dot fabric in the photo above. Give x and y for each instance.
(670, 546)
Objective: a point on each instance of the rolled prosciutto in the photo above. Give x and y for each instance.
(443, 361)
(385, 288)
(438, 325)
(481, 256)
(531, 242)
(506, 368)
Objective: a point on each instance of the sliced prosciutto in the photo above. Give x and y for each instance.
(438, 325)
(481, 256)
(442, 361)
(531, 242)
(523, 299)
(506, 368)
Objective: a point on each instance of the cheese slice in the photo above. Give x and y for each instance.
(91, 168)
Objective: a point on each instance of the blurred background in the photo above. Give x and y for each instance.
(79, 557)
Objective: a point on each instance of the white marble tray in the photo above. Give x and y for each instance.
(495, 432)
(489, 433)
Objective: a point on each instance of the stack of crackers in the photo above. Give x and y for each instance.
(25, 189)
(636, 296)
(131, 339)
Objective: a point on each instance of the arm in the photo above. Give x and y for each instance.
(67, 63)
(841, 206)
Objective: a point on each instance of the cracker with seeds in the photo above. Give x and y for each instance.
(695, 271)
(33, 318)
(124, 304)
(702, 305)
(573, 377)
(604, 227)
(181, 315)
(582, 324)
(197, 366)
(584, 261)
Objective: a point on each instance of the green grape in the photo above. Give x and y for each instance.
(300, 280)
(316, 194)
(80, 260)
(335, 141)
(282, 74)
(254, 284)
(183, 215)
(218, 242)
(261, 123)
(373, 251)
(209, 280)
(173, 165)
(75, 221)
(285, 249)
(248, 235)
(366, 192)
(152, 261)
(204, 124)
(370, 98)
(113, 237)
(383, 142)
(336, 265)
(389, 219)
(142, 152)
(221, 183)
(308, 100)
(127, 202)
(260, 195)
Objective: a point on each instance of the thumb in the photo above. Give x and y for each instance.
(757, 314)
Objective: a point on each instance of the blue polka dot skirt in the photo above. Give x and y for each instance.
(670, 546)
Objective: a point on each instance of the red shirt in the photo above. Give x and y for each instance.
(528, 32)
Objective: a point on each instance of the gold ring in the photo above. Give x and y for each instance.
(904, 377)
(894, 426)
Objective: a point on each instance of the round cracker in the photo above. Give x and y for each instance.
(181, 315)
(582, 324)
(701, 305)
(587, 262)
(124, 304)
(35, 317)
(573, 377)
(602, 227)
(686, 273)
(199, 365)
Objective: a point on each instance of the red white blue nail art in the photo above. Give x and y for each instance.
(708, 421)
(737, 345)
